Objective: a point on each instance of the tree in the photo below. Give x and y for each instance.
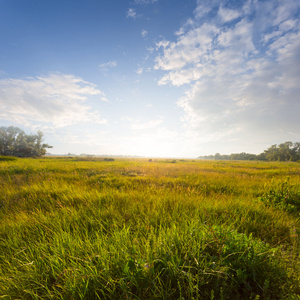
(14, 142)
(218, 156)
(272, 153)
(284, 152)
(287, 151)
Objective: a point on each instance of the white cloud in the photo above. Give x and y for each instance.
(144, 33)
(228, 14)
(141, 2)
(288, 25)
(242, 73)
(204, 7)
(131, 13)
(57, 99)
(150, 49)
(104, 98)
(190, 48)
(139, 71)
(108, 65)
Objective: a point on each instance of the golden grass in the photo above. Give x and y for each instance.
(135, 229)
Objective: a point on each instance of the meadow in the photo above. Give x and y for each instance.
(86, 228)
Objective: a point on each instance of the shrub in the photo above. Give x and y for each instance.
(108, 159)
(283, 197)
(7, 158)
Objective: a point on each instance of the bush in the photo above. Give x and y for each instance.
(108, 159)
(7, 158)
(283, 197)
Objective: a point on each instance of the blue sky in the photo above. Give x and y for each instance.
(167, 78)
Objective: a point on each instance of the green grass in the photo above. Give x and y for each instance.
(7, 158)
(135, 229)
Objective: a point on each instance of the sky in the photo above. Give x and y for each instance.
(154, 78)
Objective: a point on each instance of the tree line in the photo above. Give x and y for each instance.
(15, 142)
(287, 151)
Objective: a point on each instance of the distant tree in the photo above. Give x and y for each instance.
(272, 153)
(14, 142)
(261, 156)
(283, 152)
(297, 150)
(287, 151)
(218, 156)
(242, 156)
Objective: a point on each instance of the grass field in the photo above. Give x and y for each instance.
(76, 228)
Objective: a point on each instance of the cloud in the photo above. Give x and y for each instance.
(56, 99)
(144, 33)
(141, 2)
(108, 65)
(131, 13)
(139, 71)
(191, 49)
(241, 68)
(204, 7)
(228, 14)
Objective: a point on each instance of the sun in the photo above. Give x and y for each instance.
(150, 147)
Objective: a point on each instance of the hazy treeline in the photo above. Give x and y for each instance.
(287, 151)
(15, 142)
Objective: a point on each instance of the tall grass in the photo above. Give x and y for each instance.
(134, 229)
